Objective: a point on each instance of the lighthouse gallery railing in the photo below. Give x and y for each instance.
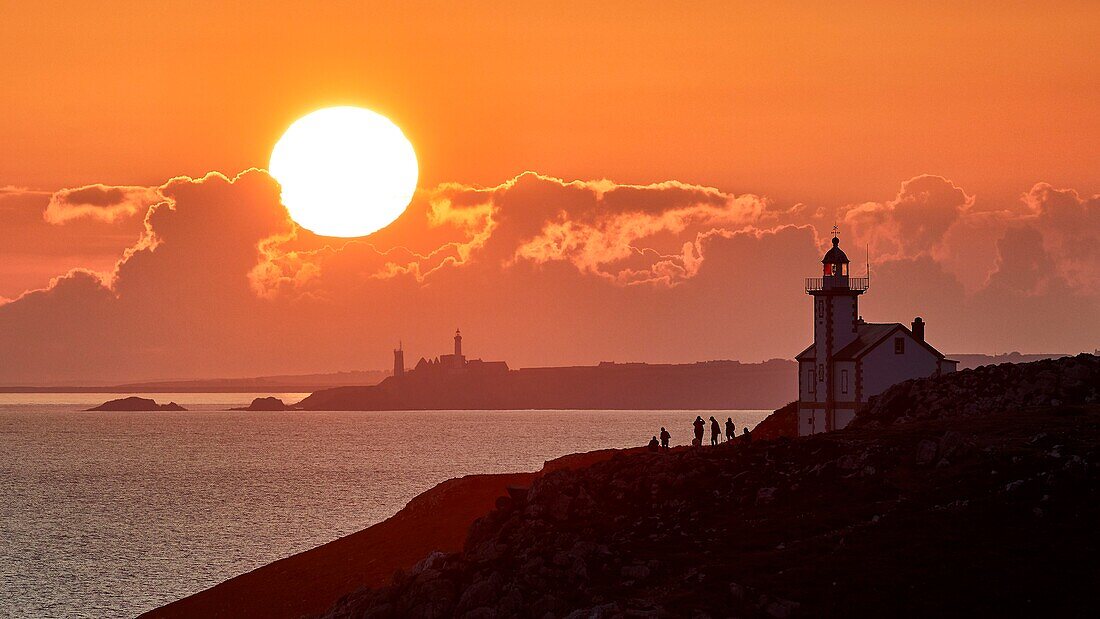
(854, 283)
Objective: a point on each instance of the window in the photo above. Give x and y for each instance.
(820, 311)
(844, 381)
(899, 346)
(812, 381)
(821, 372)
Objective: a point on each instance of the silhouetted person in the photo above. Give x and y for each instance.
(731, 429)
(665, 437)
(715, 431)
(653, 444)
(699, 425)
(747, 435)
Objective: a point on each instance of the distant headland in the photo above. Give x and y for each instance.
(453, 382)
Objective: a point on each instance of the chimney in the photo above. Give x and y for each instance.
(918, 329)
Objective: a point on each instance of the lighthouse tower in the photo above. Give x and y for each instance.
(852, 360)
(836, 325)
(399, 361)
(458, 343)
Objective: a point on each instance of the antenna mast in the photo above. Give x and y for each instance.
(867, 254)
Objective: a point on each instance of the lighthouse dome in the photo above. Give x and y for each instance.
(835, 255)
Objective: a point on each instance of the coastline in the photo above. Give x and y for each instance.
(310, 582)
(943, 472)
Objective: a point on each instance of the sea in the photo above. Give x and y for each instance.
(110, 514)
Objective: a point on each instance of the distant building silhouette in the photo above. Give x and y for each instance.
(852, 360)
(399, 361)
(458, 363)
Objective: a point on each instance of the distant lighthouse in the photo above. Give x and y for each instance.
(399, 361)
(458, 343)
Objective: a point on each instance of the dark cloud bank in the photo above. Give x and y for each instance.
(539, 271)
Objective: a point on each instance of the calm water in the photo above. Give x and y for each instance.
(112, 514)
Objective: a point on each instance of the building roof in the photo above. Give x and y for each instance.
(868, 336)
(835, 255)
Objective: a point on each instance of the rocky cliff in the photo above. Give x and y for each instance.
(968, 502)
(310, 582)
(988, 389)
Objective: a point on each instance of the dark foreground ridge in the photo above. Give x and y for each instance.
(957, 510)
(925, 512)
(134, 403)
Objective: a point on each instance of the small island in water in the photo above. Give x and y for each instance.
(270, 403)
(134, 403)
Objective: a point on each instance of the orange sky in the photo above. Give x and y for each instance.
(828, 104)
(959, 144)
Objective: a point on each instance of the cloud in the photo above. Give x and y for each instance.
(215, 280)
(1070, 229)
(102, 202)
(626, 234)
(33, 251)
(914, 223)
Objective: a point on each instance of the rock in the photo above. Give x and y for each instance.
(780, 608)
(926, 452)
(634, 572)
(518, 494)
(595, 612)
(434, 561)
(431, 596)
(510, 604)
(765, 496)
(951, 443)
(850, 462)
(559, 509)
(480, 594)
(134, 403)
(988, 389)
(266, 404)
(579, 569)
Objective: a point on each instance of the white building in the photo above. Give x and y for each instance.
(851, 360)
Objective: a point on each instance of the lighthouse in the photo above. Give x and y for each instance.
(836, 315)
(852, 360)
(399, 361)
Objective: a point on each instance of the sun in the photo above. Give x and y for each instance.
(345, 171)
